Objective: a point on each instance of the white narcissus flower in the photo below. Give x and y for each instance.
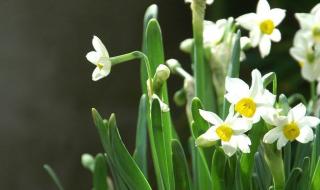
(100, 58)
(310, 23)
(262, 26)
(230, 132)
(308, 56)
(213, 32)
(295, 126)
(251, 103)
(208, 2)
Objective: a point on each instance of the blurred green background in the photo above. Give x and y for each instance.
(46, 88)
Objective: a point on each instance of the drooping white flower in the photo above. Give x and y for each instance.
(100, 58)
(262, 26)
(208, 2)
(308, 56)
(295, 126)
(230, 132)
(310, 23)
(163, 106)
(253, 102)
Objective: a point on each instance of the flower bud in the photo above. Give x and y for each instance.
(186, 45)
(173, 64)
(87, 161)
(162, 73)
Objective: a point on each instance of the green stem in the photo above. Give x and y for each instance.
(313, 91)
(131, 56)
(274, 161)
(201, 70)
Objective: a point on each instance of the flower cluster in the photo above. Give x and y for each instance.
(248, 106)
(306, 44)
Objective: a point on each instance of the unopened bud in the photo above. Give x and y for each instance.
(87, 161)
(162, 72)
(186, 45)
(173, 64)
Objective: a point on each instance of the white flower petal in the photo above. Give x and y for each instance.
(208, 138)
(210, 117)
(255, 36)
(97, 74)
(248, 21)
(310, 72)
(297, 112)
(265, 46)
(243, 142)
(93, 57)
(309, 121)
(282, 141)
(276, 35)
(99, 46)
(241, 125)
(256, 83)
(305, 20)
(237, 86)
(277, 15)
(272, 135)
(263, 8)
(229, 148)
(298, 54)
(306, 135)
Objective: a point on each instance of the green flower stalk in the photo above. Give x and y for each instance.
(202, 74)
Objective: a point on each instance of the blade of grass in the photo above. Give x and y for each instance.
(140, 153)
(100, 173)
(53, 176)
(181, 172)
(315, 182)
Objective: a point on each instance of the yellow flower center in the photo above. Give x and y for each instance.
(267, 26)
(316, 32)
(291, 131)
(224, 132)
(100, 65)
(246, 107)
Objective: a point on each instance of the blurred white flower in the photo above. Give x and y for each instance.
(250, 103)
(295, 126)
(209, 2)
(307, 54)
(230, 132)
(262, 26)
(310, 23)
(100, 58)
(213, 32)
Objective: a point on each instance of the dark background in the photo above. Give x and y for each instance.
(46, 88)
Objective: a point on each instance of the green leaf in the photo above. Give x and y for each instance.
(200, 125)
(293, 179)
(218, 169)
(284, 104)
(125, 165)
(247, 160)
(181, 170)
(305, 176)
(201, 174)
(315, 149)
(159, 139)
(151, 12)
(271, 77)
(140, 153)
(233, 69)
(287, 159)
(263, 175)
(53, 176)
(155, 53)
(100, 173)
(315, 182)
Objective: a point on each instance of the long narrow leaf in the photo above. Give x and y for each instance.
(140, 153)
(53, 176)
(100, 173)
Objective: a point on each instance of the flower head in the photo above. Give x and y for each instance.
(295, 126)
(253, 102)
(100, 58)
(307, 54)
(262, 26)
(230, 132)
